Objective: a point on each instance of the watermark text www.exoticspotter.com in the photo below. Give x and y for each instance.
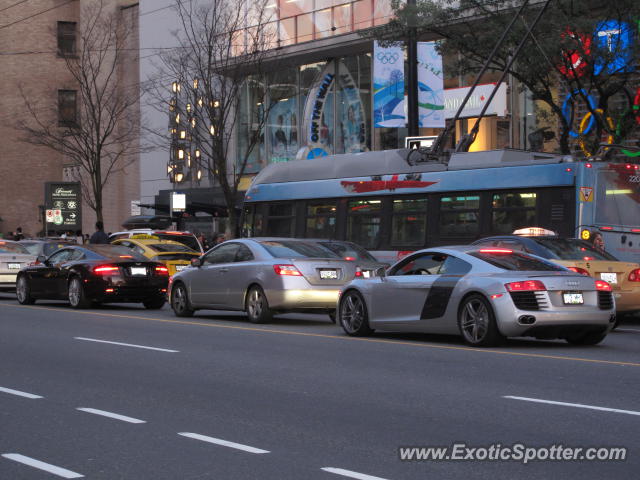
(516, 452)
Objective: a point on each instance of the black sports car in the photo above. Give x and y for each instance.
(92, 274)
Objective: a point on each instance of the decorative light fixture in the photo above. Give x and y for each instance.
(169, 168)
(212, 130)
(197, 153)
(200, 102)
(183, 134)
(180, 154)
(193, 122)
(195, 83)
(199, 175)
(188, 107)
(175, 87)
(178, 118)
(179, 177)
(189, 159)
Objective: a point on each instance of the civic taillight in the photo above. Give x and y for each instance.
(287, 270)
(634, 275)
(106, 269)
(602, 286)
(579, 270)
(526, 286)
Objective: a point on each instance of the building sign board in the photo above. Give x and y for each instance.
(453, 98)
(63, 201)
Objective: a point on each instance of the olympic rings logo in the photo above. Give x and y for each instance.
(386, 57)
(567, 111)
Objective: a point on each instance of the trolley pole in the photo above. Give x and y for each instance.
(412, 80)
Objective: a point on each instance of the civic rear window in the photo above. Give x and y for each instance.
(572, 249)
(286, 249)
(188, 240)
(170, 247)
(517, 262)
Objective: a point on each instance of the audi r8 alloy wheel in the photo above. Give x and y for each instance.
(353, 315)
(477, 322)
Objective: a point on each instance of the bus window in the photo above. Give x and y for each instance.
(618, 196)
(459, 216)
(363, 222)
(321, 220)
(280, 220)
(512, 211)
(409, 222)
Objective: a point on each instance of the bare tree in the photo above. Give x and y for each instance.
(95, 124)
(219, 59)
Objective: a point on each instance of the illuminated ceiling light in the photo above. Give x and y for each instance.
(212, 130)
(179, 177)
(199, 174)
(180, 154)
(195, 83)
(197, 153)
(183, 134)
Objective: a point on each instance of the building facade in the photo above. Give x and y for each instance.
(35, 37)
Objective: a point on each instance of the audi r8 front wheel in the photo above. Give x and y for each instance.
(353, 315)
(477, 322)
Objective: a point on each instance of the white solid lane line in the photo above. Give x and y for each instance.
(224, 443)
(47, 467)
(575, 405)
(111, 415)
(633, 330)
(126, 344)
(350, 474)
(19, 393)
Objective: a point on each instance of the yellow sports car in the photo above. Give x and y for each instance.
(176, 256)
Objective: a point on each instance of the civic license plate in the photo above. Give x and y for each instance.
(328, 274)
(179, 268)
(138, 270)
(13, 266)
(573, 298)
(609, 277)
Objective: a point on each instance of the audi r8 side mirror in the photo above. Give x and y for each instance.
(195, 262)
(381, 272)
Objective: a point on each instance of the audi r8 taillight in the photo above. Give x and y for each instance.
(603, 286)
(526, 286)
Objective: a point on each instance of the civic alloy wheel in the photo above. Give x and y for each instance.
(180, 301)
(257, 306)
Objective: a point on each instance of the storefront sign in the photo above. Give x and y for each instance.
(178, 202)
(388, 86)
(453, 98)
(64, 199)
(430, 86)
(615, 38)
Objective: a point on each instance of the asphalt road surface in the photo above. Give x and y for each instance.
(120, 392)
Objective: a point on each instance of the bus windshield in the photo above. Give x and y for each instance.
(618, 196)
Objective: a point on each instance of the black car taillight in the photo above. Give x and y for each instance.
(106, 269)
(161, 270)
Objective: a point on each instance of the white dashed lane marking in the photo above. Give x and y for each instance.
(19, 393)
(574, 405)
(47, 467)
(224, 443)
(115, 416)
(350, 474)
(126, 345)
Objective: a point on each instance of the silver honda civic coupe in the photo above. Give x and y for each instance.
(262, 276)
(483, 294)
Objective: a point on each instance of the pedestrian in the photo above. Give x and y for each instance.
(79, 237)
(598, 241)
(203, 241)
(18, 236)
(99, 236)
(221, 237)
(86, 238)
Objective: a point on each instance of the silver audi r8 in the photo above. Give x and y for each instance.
(13, 257)
(262, 276)
(483, 294)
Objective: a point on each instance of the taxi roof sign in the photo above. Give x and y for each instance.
(144, 236)
(535, 232)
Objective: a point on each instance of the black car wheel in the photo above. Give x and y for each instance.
(257, 306)
(353, 315)
(477, 322)
(23, 291)
(180, 301)
(76, 294)
(154, 303)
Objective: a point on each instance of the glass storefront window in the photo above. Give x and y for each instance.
(342, 19)
(353, 129)
(323, 23)
(282, 127)
(305, 27)
(362, 14)
(409, 221)
(249, 117)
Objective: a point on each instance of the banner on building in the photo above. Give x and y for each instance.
(430, 86)
(388, 86)
(64, 200)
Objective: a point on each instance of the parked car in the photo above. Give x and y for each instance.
(176, 256)
(45, 247)
(581, 257)
(366, 262)
(262, 276)
(186, 238)
(483, 294)
(92, 274)
(13, 257)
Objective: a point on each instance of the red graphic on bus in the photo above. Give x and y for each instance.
(377, 184)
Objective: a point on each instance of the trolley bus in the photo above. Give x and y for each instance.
(380, 201)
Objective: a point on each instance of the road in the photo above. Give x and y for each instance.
(214, 397)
